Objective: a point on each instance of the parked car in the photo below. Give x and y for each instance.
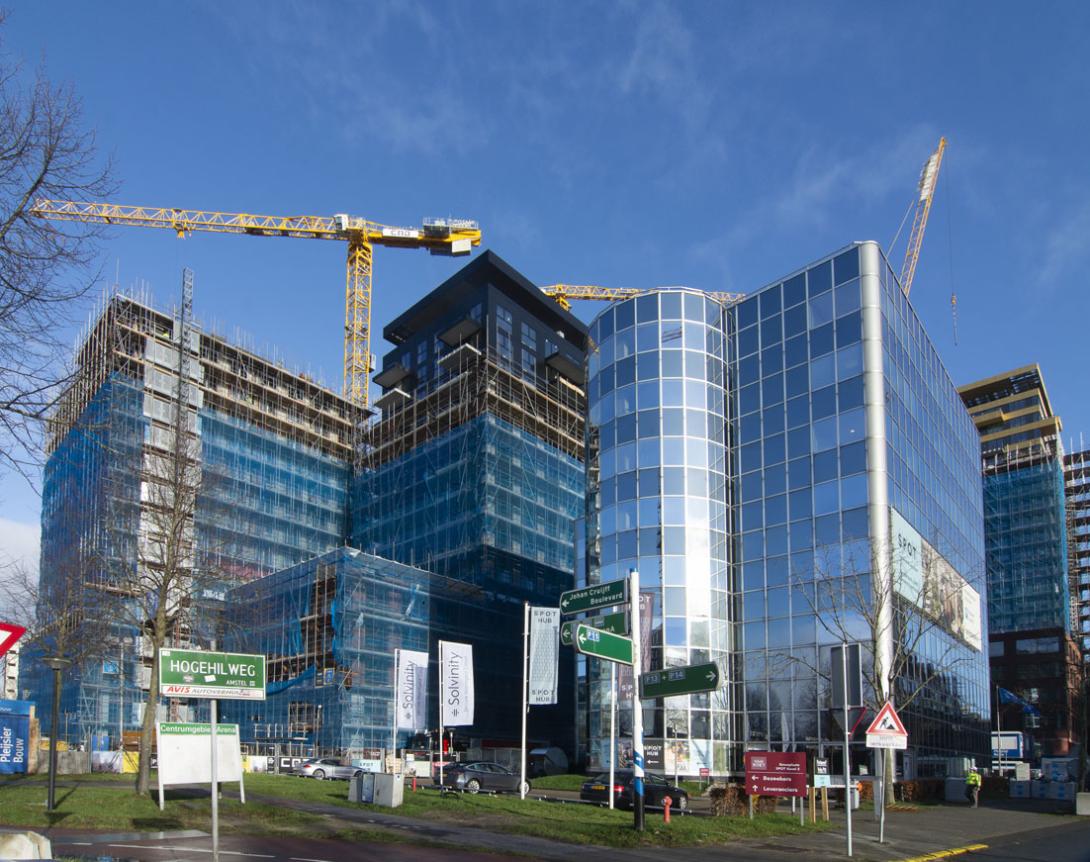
(326, 767)
(473, 777)
(655, 790)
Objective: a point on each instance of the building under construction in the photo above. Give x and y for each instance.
(1032, 650)
(266, 454)
(473, 472)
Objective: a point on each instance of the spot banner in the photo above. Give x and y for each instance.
(544, 656)
(455, 683)
(412, 688)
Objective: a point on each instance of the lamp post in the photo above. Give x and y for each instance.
(57, 664)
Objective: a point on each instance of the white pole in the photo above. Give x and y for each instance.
(637, 706)
(442, 671)
(393, 703)
(882, 817)
(215, 790)
(525, 699)
(847, 746)
(612, 728)
(999, 731)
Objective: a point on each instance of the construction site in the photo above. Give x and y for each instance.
(724, 445)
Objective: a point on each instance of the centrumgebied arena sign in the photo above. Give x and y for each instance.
(183, 755)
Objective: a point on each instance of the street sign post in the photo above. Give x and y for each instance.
(887, 730)
(776, 773)
(9, 634)
(672, 681)
(614, 623)
(591, 598)
(218, 675)
(611, 647)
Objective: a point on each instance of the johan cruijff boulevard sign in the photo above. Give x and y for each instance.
(776, 773)
(222, 675)
(591, 598)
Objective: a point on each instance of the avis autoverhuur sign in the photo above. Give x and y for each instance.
(221, 675)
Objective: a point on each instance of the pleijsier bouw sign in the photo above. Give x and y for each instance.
(776, 773)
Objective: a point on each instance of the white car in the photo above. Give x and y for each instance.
(326, 767)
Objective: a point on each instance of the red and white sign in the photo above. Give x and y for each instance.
(887, 730)
(776, 773)
(9, 634)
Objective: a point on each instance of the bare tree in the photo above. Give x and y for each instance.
(872, 598)
(45, 151)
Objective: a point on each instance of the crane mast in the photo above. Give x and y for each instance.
(929, 176)
(438, 235)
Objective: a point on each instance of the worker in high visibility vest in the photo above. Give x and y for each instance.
(972, 785)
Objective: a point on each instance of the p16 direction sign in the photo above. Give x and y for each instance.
(222, 675)
(599, 644)
(591, 598)
(613, 623)
(672, 681)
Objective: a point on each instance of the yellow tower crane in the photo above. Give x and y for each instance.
(438, 235)
(564, 294)
(929, 176)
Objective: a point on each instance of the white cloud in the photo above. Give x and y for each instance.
(19, 544)
(1066, 248)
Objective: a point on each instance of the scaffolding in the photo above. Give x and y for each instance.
(273, 450)
(1077, 489)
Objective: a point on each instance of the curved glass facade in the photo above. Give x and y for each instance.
(659, 473)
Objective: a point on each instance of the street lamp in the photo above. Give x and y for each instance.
(57, 664)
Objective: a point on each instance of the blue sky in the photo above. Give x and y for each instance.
(717, 145)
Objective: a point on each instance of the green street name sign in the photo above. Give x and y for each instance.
(591, 598)
(218, 675)
(614, 623)
(673, 681)
(611, 647)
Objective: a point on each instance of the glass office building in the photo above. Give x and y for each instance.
(658, 503)
(761, 505)
(859, 512)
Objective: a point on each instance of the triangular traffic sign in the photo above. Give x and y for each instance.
(9, 634)
(887, 722)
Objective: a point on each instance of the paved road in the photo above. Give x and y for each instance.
(1069, 843)
(1015, 832)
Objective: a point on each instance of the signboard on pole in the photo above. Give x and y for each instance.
(602, 644)
(412, 687)
(591, 598)
(217, 675)
(775, 773)
(9, 634)
(456, 695)
(843, 657)
(614, 623)
(183, 754)
(544, 656)
(14, 735)
(822, 776)
(887, 731)
(672, 681)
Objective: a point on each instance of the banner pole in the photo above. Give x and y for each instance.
(847, 747)
(525, 685)
(637, 706)
(612, 729)
(442, 676)
(215, 789)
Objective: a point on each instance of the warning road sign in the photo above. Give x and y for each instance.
(887, 730)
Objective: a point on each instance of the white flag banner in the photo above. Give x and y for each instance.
(412, 687)
(456, 683)
(544, 655)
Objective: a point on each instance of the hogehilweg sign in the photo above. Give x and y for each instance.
(220, 675)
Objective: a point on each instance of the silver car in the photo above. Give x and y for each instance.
(326, 767)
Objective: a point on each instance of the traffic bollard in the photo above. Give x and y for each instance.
(414, 782)
(666, 809)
